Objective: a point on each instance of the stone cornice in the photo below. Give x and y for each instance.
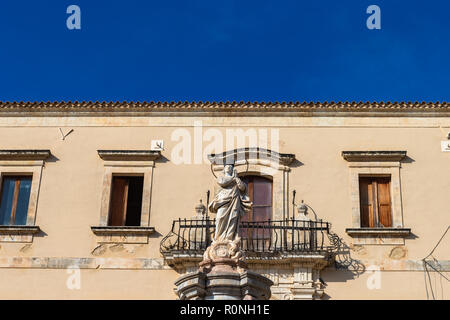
(27, 230)
(364, 156)
(306, 109)
(129, 155)
(116, 263)
(318, 260)
(108, 230)
(24, 154)
(236, 155)
(394, 232)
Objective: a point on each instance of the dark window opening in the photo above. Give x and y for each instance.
(375, 202)
(126, 201)
(15, 196)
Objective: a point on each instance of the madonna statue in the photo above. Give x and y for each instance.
(230, 204)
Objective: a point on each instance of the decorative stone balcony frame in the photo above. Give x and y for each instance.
(26, 163)
(295, 275)
(294, 271)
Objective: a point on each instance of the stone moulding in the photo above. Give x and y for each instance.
(316, 261)
(182, 261)
(230, 109)
(394, 232)
(191, 286)
(129, 155)
(43, 262)
(108, 234)
(362, 156)
(24, 154)
(108, 230)
(223, 286)
(19, 230)
(251, 153)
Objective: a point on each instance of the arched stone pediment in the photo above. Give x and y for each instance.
(252, 157)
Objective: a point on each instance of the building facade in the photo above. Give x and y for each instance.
(110, 200)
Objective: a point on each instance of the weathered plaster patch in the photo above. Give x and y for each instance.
(131, 248)
(359, 249)
(99, 250)
(398, 253)
(26, 248)
(117, 247)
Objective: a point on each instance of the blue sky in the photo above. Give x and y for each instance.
(210, 50)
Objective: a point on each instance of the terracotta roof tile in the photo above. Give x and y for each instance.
(19, 108)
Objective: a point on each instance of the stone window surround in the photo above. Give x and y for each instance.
(26, 163)
(126, 163)
(382, 164)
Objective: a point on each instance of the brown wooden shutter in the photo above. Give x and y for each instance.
(245, 232)
(262, 206)
(15, 198)
(366, 202)
(384, 203)
(260, 194)
(119, 198)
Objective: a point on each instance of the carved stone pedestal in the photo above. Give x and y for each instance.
(223, 275)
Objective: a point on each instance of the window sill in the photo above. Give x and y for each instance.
(389, 236)
(18, 233)
(102, 230)
(400, 232)
(108, 234)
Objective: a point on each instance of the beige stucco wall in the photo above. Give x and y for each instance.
(156, 284)
(70, 198)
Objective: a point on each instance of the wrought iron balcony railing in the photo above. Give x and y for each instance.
(290, 236)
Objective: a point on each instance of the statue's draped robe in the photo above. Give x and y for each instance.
(230, 204)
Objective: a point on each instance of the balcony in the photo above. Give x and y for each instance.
(264, 242)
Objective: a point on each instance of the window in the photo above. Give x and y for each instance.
(376, 197)
(126, 201)
(126, 196)
(260, 193)
(21, 172)
(15, 196)
(375, 202)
